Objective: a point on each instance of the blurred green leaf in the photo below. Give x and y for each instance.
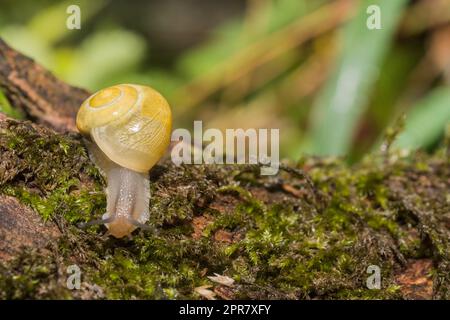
(164, 82)
(233, 36)
(25, 41)
(202, 58)
(104, 55)
(427, 121)
(49, 25)
(343, 99)
(6, 108)
(37, 38)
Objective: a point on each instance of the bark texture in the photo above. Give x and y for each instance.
(35, 91)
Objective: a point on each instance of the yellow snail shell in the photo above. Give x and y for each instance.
(130, 126)
(130, 123)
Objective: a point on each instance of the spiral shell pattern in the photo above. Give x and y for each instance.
(130, 123)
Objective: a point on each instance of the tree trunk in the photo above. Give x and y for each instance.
(318, 230)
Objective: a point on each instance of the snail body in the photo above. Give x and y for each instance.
(129, 126)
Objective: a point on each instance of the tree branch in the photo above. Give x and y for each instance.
(39, 94)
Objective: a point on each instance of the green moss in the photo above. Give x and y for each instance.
(273, 241)
(55, 166)
(31, 275)
(73, 206)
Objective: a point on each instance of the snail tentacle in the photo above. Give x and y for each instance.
(84, 225)
(142, 226)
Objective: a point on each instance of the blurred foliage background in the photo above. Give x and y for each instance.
(311, 68)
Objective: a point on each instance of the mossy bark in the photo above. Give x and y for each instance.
(310, 232)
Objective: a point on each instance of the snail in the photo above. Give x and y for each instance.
(129, 129)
